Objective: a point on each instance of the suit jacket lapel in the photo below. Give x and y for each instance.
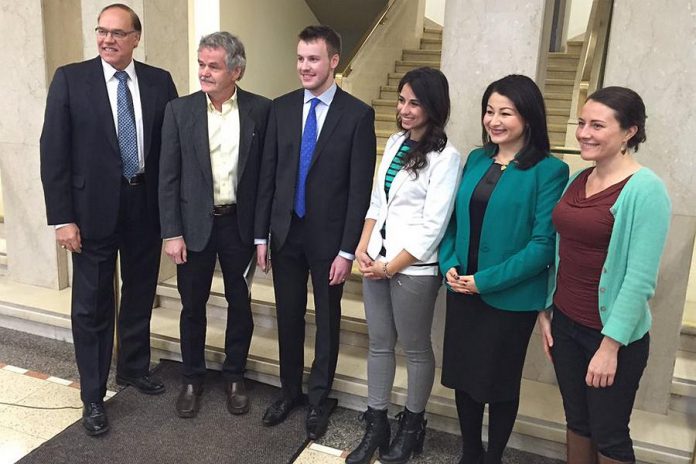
(246, 130)
(95, 89)
(148, 93)
(199, 137)
(332, 118)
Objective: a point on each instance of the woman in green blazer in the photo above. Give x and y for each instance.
(495, 255)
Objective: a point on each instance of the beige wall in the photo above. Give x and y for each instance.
(579, 14)
(435, 10)
(268, 29)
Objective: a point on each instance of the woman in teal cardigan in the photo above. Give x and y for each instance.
(495, 255)
(612, 224)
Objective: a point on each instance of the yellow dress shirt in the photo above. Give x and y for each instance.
(223, 140)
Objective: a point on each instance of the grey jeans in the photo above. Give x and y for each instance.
(401, 307)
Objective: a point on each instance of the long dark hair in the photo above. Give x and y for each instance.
(431, 89)
(529, 102)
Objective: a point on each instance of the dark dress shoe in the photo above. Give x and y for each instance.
(280, 409)
(145, 384)
(318, 418)
(94, 419)
(189, 400)
(237, 399)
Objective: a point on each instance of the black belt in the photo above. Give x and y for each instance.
(138, 179)
(224, 210)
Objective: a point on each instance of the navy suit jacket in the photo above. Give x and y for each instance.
(338, 182)
(80, 158)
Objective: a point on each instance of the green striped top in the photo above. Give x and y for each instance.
(396, 164)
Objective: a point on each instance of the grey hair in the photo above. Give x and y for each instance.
(235, 57)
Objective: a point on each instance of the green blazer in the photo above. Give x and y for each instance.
(517, 237)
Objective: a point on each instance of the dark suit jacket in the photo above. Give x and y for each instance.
(186, 178)
(339, 179)
(80, 158)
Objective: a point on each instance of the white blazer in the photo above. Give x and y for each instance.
(418, 209)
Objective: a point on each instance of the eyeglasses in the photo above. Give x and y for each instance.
(115, 33)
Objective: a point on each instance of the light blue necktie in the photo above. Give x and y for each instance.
(127, 135)
(309, 142)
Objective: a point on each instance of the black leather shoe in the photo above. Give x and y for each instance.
(189, 400)
(94, 419)
(145, 384)
(237, 399)
(318, 418)
(280, 409)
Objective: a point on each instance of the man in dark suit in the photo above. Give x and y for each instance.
(99, 167)
(211, 152)
(314, 190)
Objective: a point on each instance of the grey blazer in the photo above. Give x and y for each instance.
(186, 179)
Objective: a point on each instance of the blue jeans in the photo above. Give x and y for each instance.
(602, 414)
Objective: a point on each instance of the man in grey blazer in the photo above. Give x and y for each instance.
(211, 151)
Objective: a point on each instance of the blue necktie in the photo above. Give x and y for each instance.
(309, 142)
(127, 136)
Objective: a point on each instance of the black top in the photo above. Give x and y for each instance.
(477, 209)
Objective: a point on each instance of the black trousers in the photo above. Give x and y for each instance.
(194, 279)
(139, 246)
(600, 413)
(291, 268)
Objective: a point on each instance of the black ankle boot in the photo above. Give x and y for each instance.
(377, 435)
(409, 438)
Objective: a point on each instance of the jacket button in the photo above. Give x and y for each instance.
(602, 289)
(603, 308)
(485, 248)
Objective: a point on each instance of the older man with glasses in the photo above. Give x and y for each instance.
(99, 167)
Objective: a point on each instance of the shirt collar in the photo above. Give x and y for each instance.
(326, 97)
(109, 70)
(227, 105)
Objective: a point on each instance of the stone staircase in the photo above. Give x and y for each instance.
(558, 90)
(385, 106)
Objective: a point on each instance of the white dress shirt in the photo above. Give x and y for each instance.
(223, 141)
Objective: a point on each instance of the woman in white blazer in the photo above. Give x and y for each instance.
(411, 204)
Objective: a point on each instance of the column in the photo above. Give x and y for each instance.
(647, 55)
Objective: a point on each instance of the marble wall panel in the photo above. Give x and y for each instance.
(652, 49)
(166, 24)
(482, 42)
(31, 250)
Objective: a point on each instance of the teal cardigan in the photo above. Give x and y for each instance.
(517, 236)
(641, 219)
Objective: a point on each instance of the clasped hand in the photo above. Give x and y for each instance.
(461, 284)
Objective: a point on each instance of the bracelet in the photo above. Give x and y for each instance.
(386, 272)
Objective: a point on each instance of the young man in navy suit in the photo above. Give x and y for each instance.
(100, 149)
(314, 190)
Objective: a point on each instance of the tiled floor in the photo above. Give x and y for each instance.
(34, 407)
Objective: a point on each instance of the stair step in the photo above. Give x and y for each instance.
(389, 92)
(556, 111)
(555, 127)
(561, 68)
(560, 73)
(432, 33)
(558, 96)
(421, 55)
(431, 44)
(405, 66)
(562, 82)
(555, 119)
(540, 423)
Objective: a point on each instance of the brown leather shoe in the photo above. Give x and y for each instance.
(189, 400)
(237, 398)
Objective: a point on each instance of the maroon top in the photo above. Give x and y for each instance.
(584, 226)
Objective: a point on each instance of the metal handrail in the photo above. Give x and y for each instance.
(591, 64)
(380, 19)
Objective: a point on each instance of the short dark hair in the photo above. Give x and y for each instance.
(529, 102)
(137, 25)
(431, 89)
(629, 110)
(320, 31)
